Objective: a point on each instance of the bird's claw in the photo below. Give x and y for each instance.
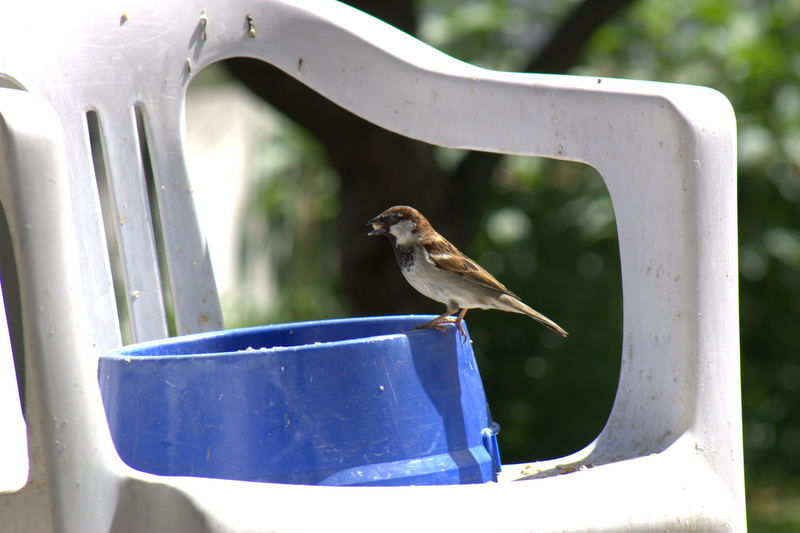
(463, 333)
(437, 325)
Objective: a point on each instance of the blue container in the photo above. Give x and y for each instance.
(361, 401)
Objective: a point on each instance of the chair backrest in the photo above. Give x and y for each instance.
(101, 107)
(122, 116)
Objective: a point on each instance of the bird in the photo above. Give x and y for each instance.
(436, 268)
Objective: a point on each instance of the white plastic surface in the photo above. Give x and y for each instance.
(670, 456)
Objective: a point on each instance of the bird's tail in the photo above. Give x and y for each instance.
(517, 306)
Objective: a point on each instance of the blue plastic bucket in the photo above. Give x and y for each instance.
(362, 401)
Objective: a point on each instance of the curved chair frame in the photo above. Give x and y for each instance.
(670, 456)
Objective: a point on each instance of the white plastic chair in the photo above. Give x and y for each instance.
(670, 456)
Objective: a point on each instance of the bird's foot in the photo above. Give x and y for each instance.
(459, 325)
(437, 322)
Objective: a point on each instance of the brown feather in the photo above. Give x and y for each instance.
(447, 257)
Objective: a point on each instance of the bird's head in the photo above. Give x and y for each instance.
(404, 225)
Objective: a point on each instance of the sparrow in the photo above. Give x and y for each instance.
(435, 268)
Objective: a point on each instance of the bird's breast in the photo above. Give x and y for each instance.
(405, 257)
(438, 284)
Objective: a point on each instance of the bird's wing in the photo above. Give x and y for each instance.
(445, 256)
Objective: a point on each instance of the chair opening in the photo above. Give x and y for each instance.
(14, 444)
(105, 191)
(8, 82)
(155, 216)
(545, 229)
(101, 174)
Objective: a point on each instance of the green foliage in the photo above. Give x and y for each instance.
(559, 253)
(497, 34)
(292, 217)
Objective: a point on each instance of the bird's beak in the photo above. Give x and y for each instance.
(378, 226)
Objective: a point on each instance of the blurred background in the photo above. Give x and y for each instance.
(298, 178)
